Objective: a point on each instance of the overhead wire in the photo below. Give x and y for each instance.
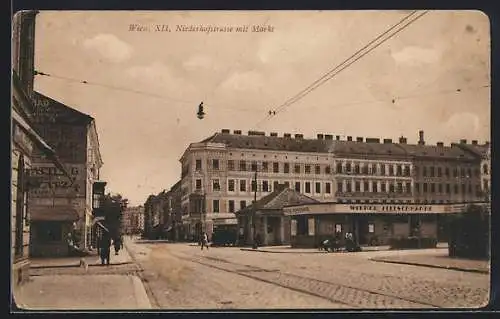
(344, 64)
(149, 94)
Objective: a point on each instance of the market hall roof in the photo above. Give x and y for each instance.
(282, 196)
(368, 146)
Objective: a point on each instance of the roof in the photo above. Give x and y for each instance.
(280, 198)
(338, 147)
(476, 149)
(435, 151)
(50, 110)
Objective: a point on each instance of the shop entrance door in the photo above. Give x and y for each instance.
(362, 230)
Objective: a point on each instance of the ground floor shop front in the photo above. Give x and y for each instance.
(370, 224)
(268, 230)
(193, 228)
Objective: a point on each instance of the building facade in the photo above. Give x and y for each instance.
(25, 140)
(218, 173)
(62, 210)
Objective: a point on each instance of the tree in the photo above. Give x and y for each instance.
(113, 206)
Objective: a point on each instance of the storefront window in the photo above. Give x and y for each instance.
(371, 228)
(338, 228)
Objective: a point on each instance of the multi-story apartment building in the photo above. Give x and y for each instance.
(25, 140)
(131, 219)
(60, 207)
(483, 151)
(218, 173)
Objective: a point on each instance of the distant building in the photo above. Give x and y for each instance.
(217, 176)
(132, 220)
(59, 208)
(162, 214)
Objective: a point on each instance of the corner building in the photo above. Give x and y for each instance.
(218, 172)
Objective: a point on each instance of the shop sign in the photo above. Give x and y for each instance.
(297, 210)
(391, 208)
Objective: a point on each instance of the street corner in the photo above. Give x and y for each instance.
(141, 296)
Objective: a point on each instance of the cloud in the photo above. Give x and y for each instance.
(415, 56)
(246, 81)
(460, 125)
(198, 62)
(159, 75)
(109, 47)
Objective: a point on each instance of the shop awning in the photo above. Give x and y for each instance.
(53, 213)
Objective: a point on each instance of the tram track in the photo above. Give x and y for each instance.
(355, 297)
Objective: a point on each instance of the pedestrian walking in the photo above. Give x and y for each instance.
(204, 241)
(104, 248)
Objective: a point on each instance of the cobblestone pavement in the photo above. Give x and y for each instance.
(348, 279)
(175, 283)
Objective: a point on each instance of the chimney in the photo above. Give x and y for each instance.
(320, 136)
(402, 140)
(237, 132)
(359, 139)
(474, 142)
(440, 144)
(328, 137)
(349, 138)
(226, 131)
(337, 137)
(387, 141)
(287, 135)
(421, 138)
(463, 141)
(274, 134)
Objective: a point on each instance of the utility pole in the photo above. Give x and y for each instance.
(254, 208)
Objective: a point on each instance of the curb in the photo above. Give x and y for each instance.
(153, 302)
(282, 252)
(480, 271)
(78, 265)
(140, 294)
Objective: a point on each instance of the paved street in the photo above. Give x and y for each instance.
(182, 276)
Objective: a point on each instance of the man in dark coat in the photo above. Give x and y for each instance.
(104, 248)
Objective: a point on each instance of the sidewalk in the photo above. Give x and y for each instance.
(289, 249)
(122, 258)
(70, 292)
(441, 260)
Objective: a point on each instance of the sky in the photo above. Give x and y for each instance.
(143, 87)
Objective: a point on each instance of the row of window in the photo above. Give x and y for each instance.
(432, 171)
(374, 187)
(445, 188)
(342, 167)
(265, 186)
(345, 168)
